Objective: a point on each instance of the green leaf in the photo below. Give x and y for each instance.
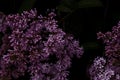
(89, 3)
(90, 45)
(67, 3)
(68, 6)
(27, 5)
(62, 8)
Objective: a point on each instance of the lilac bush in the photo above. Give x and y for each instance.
(109, 68)
(36, 46)
(112, 46)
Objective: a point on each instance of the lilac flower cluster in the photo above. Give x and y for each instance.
(35, 45)
(112, 47)
(109, 68)
(99, 70)
(112, 42)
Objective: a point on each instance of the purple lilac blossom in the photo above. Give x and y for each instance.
(112, 47)
(110, 70)
(35, 45)
(100, 71)
(112, 42)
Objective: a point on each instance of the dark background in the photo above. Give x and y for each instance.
(82, 18)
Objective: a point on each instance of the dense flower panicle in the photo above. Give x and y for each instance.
(35, 45)
(97, 66)
(112, 45)
(112, 41)
(109, 68)
(100, 70)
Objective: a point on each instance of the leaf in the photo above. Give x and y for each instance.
(89, 3)
(27, 5)
(90, 45)
(62, 8)
(67, 3)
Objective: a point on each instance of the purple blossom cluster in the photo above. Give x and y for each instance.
(112, 42)
(112, 46)
(109, 68)
(34, 45)
(100, 71)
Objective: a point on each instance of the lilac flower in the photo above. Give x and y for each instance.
(34, 45)
(109, 68)
(100, 71)
(106, 75)
(112, 42)
(112, 45)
